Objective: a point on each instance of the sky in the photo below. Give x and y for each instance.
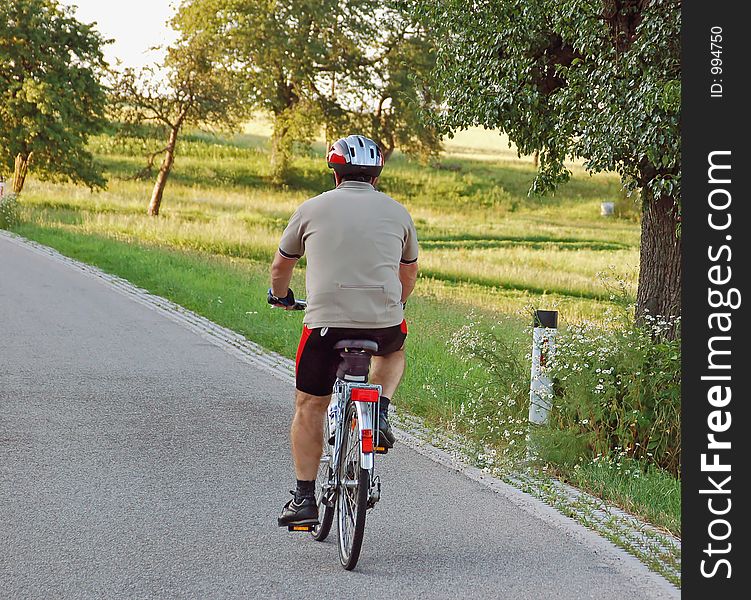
(135, 26)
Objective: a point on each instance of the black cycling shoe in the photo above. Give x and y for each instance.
(385, 435)
(304, 512)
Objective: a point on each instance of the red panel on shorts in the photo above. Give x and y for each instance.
(301, 346)
(404, 326)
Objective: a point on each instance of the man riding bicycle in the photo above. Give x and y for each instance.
(361, 250)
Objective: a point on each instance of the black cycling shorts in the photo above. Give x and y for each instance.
(317, 361)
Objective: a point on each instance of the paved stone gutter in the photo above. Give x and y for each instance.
(658, 550)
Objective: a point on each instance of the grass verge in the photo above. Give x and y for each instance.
(645, 491)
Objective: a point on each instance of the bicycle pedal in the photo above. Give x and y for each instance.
(301, 527)
(381, 450)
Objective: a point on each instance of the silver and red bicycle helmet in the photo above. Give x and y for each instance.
(355, 155)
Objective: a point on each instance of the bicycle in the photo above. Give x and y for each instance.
(346, 484)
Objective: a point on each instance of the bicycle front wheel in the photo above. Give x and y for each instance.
(352, 496)
(324, 491)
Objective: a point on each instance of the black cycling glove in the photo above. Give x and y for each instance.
(288, 300)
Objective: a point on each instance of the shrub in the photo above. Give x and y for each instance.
(617, 391)
(8, 211)
(628, 205)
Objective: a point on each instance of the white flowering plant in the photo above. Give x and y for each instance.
(490, 404)
(617, 390)
(8, 211)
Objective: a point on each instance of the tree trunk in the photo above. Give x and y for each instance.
(20, 172)
(659, 291)
(280, 150)
(164, 171)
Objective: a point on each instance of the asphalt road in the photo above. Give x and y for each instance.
(138, 460)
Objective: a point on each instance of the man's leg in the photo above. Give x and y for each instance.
(307, 433)
(387, 372)
(307, 440)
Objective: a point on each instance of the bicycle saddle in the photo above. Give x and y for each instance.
(365, 345)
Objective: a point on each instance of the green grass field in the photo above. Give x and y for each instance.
(481, 236)
(486, 246)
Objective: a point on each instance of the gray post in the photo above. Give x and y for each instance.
(543, 350)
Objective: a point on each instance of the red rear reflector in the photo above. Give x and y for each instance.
(362, 395)
(367, 440)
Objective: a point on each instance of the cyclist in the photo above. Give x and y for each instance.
(361, 251)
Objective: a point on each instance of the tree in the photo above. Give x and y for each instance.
(307, 62)
(596, 79)
(290, 51)
(392, 109)
(188, 89)
(51, 95)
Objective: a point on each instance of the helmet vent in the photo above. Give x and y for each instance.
(352, 150)
(372, 153)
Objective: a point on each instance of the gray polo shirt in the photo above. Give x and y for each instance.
(353, 238)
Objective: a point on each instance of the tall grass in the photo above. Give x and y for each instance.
(8, 211)
(614, 427)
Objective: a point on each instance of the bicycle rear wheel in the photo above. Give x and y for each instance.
(352, 496)
(323, 490)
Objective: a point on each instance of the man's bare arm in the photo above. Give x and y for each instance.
(408, 277)
(281, 274)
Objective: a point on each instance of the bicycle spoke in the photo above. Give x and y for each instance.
(350, 505)
(323, 489)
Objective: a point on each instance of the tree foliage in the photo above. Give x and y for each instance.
(311, 63)
(51, 95)
(591, 79)
(392, 109)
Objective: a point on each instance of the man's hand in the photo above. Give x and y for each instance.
(288, 302)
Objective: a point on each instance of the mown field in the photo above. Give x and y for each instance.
(489, 253)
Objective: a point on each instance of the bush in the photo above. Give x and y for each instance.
(617, 392)
(616, 395)
(628, 205)
(8, 211)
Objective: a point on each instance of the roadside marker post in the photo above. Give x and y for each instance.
(543, 350)
(540, 385)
